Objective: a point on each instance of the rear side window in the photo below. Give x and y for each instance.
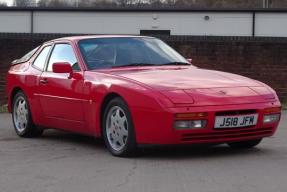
(39, 62)
(63, 53)
(28, 56)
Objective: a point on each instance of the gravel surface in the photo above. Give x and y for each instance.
(60, 162)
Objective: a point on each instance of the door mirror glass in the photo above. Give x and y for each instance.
(63, 68)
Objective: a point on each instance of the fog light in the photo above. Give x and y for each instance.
(271, 118)
(192, 124)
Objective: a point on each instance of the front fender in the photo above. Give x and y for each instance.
(136, 96)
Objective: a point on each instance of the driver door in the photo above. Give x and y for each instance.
(61, 97)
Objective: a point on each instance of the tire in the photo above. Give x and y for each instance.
(245, 144)
(118, 129)
(22, 118)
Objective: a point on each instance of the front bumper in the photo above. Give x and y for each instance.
(156, 127)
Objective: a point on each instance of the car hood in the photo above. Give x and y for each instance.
(190, 85)
(172, 78)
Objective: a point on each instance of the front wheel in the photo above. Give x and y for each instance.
(118, 129)
(245, 144)
(22, 118)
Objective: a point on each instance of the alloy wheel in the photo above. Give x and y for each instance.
(21, 114)
(117, 128)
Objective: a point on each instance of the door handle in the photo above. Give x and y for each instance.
(43, 81)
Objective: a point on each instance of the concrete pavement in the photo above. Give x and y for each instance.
(60, 162)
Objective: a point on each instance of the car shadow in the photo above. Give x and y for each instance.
(199, 151)
(58, 136)
(154, 152)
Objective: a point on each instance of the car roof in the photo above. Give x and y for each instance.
(81, 37)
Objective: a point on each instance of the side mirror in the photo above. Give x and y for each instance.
(63, 68)
(189, 60)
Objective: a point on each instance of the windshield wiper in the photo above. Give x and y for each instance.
(150, 64)
(134, 64)
(177, 63)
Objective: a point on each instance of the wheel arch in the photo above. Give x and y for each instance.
(135, 97)
(130, 147)
(106, 100)
(12, 95)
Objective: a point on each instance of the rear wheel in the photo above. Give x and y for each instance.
(118, 129)
(22, 118)
(245, 144)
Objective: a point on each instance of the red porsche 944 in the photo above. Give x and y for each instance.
(133, 90)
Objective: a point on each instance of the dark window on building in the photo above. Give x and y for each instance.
(155, 32)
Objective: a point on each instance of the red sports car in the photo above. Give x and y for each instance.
(134, 90)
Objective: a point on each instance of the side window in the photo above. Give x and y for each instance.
(27, 56)
(41, 58)
(63, 53)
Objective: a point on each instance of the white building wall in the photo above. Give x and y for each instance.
(271, 24)
(15, 22)
(180, 23)
(219, 24)
(131, 23)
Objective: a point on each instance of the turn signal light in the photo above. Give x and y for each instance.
(190, 115)
(272, 110)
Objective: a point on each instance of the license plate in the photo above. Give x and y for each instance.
(236, 121)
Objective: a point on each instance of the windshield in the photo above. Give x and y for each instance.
(104, 53)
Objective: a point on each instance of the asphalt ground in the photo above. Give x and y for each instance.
(60, 162)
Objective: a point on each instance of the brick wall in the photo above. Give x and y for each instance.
(9, 50)
(264, 59)
(13, 46)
